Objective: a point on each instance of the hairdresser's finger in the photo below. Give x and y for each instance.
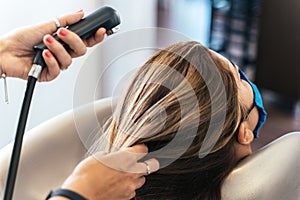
(153, 165)
(99, 154)
(131, 195)
(77, 46)
(51, 26)
(123, 160)
(70, 18)
(140, 182)
(96, 38)
(52, 70)
(145, 168)
(130, 156)
(136, 152)
(63, 57)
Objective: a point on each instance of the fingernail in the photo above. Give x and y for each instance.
(48, 54)
(79, 11)
(63, 32)
(49, 39)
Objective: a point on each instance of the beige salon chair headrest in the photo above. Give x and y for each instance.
(271, 173)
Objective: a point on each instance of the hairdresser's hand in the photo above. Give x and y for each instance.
(16, 48)
(113, 176)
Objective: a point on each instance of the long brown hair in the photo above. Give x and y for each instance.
(170, 98)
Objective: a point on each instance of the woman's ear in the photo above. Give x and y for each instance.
(245, 135)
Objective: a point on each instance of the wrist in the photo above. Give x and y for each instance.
(76, 184)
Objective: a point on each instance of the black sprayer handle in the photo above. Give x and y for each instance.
(105, 17)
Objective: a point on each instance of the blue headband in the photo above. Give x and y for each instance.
(258, 103)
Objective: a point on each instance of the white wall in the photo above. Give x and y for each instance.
(189, 17)
(120, 53)
(79, 83)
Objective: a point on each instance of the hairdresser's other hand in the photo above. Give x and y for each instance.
(113, 176)
(16, 48)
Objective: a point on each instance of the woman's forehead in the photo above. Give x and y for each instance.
(226, 63)
(245, 90)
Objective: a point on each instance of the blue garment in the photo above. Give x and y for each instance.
(258, 103)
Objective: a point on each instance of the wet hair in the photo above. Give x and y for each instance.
(184, 105)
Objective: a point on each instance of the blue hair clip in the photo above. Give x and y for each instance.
(258, 102)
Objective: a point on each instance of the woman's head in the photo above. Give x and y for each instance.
(187, 104)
